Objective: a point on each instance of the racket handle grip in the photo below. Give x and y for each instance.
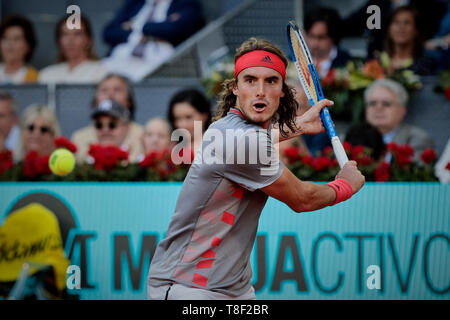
(339, 151)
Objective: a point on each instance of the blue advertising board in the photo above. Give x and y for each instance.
(389, 241)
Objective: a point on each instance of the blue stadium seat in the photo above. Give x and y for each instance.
(27, 94)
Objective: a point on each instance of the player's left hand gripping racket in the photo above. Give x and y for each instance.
(310, 82)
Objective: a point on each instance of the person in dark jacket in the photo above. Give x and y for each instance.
(322, 37)
(144, 33)
(184, 18)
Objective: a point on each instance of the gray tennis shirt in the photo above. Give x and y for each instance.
(212, 232)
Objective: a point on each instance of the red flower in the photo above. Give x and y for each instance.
(404, 155)
(392, 147)
(63, 142)
(328, 151)
(35, 165)
(428, 156)
(161, 162)
(447, 167)
(307, 160)
(153, 158)
(149, 159)
(292, 153)
(447, 93)
(382, 172)
(357, 152)
(6, 161)
(405, 150)
(403, 161)
(321, 163)
(347, 147)
(106, 157)
(364, 160)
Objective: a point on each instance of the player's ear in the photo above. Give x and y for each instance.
(283, 89)
(235, 87)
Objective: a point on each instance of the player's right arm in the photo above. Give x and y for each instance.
(303, 196)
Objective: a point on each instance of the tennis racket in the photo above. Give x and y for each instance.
(311, 85)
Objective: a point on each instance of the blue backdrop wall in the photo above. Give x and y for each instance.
(390, 241)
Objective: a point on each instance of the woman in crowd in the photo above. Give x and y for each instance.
(189, 109)
(404, 43)
(17, 43)
(77, 61)
(38, 126)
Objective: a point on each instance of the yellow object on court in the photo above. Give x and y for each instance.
(32, 234)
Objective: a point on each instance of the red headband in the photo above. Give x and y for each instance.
(260, 58)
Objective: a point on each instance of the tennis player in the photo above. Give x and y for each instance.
(206, 251)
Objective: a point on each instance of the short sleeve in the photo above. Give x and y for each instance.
(254, 163)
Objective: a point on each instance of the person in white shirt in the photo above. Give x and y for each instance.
(78, 62)
(9, 128)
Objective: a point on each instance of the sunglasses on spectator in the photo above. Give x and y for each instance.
(42, 129)
(111, 125)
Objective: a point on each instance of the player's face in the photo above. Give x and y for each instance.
(258, 91)
(383, 110)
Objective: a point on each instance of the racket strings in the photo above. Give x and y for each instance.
(301, 62)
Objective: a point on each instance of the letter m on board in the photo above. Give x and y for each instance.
(123, 256)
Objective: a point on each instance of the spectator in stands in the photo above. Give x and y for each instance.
(364, 134)
(112, 87)
(143, 34)
(77, 61)
(17, 43)
(322, 37)
(156, 136)
(112, 124)
(404, 42)
(431, 12)
(9, 128)
(386, 102)
(38, 126)
(190, 110)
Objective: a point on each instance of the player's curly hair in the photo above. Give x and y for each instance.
(285, 115)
